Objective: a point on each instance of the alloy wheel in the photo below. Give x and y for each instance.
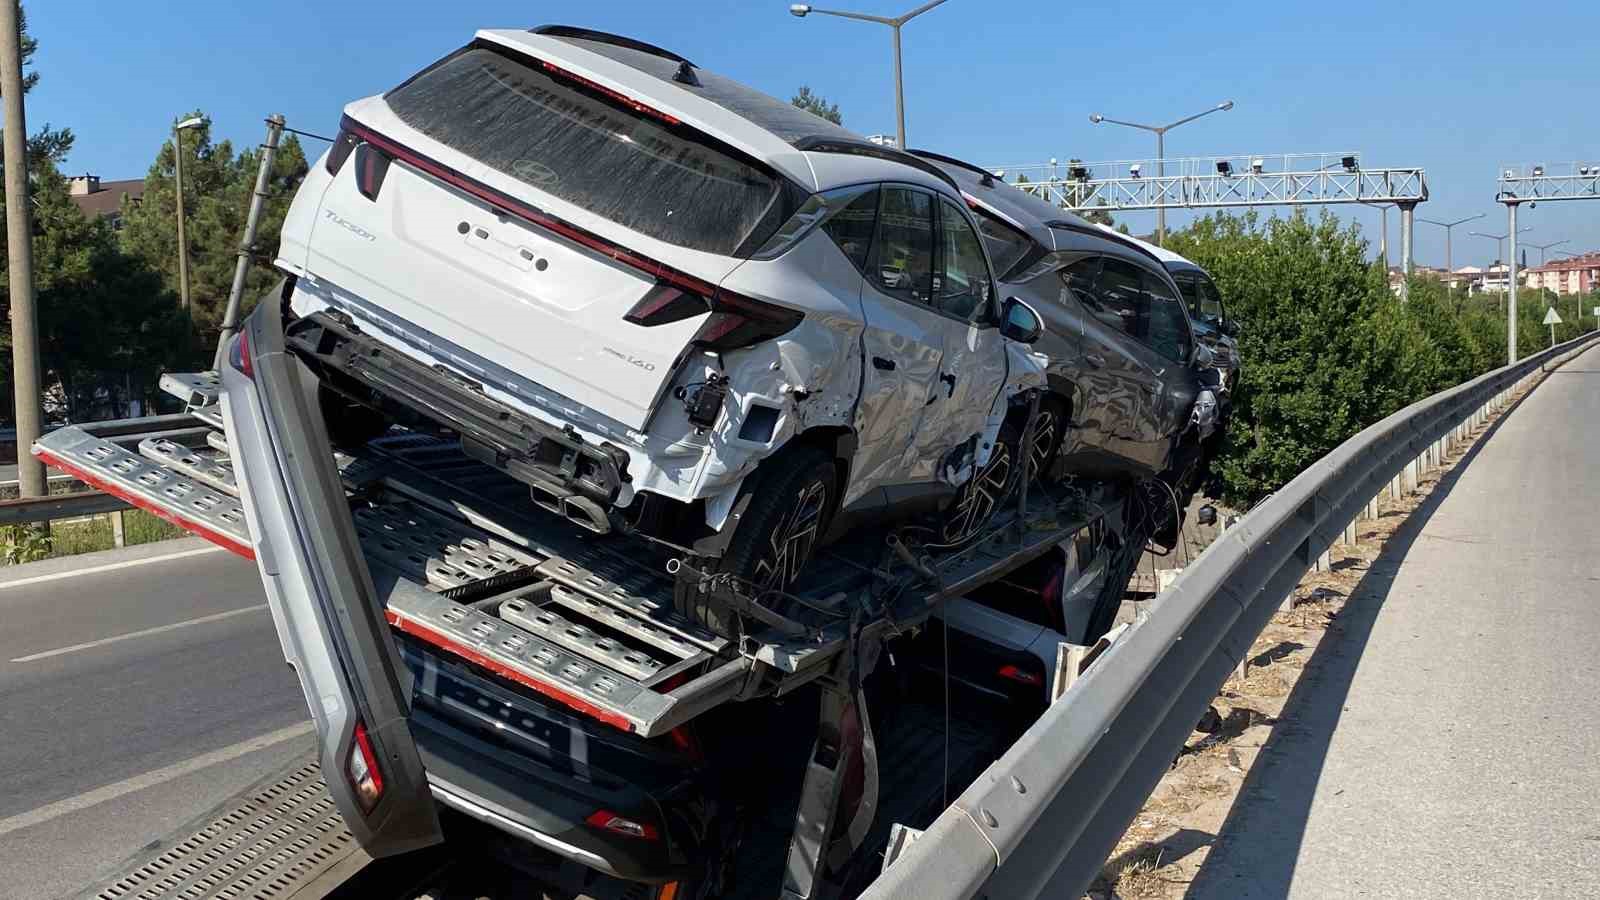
(980, 496)
(1044, 441)
(790, 543)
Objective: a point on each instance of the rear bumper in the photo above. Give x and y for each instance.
(556, 462)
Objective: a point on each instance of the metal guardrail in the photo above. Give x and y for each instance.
(1042, 820)
(59, 506)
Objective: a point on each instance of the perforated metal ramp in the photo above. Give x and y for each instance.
(268, 844)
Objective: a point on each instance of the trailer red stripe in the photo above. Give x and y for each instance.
(226, 542)
(451, 645)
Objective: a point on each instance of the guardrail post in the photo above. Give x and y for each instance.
(1372, 508)
(118, 536)
(1349, 535)
(1395, 489)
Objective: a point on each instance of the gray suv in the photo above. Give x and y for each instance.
(1129, 381)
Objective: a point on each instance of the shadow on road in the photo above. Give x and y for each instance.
(1255, 853)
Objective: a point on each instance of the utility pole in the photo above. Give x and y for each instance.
(183, 243)
(247, 244)
(1511, 308)
(19, 238)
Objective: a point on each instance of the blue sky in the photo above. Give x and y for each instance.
(993, 81)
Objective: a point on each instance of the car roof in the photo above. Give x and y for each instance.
(1173, 261)
(1032, 215)
(776, 132)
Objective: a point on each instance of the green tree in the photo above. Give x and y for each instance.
(1318, 360)
(816, 105)
(217, 184)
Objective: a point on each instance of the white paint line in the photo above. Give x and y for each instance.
(139, 634)
(149, 779)
(110, 567)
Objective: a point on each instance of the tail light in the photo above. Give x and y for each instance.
(362, 770)
(340, 151)
(736, 320)
(606, 820)
(239, 355)
(372, 165)
(1021, 675)
(666, 304)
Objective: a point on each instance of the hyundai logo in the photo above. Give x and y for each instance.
(535, 173)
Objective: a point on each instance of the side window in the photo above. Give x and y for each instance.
(1211, 309)
(1167, 328)
(1121, 292)
(962, 287)
(851, 228)
(902, 264)
(1006, 245)
(1080, 278)
(1190, 291)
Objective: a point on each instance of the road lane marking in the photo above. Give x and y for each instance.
(149, 779)
(108, 567)
(139, 634)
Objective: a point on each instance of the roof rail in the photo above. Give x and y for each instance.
(603, 37)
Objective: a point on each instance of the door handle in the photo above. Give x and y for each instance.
(1096, 360)
(882, 364)
(949, 384)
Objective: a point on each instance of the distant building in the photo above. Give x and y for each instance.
(103, 199)
(1397, 276)
(1573, 275)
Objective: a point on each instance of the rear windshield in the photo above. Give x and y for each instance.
(661, 180)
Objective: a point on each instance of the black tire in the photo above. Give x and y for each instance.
(792, 500)
(985, 492)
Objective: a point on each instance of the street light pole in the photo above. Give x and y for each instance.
(183, 243)
(1160, 132)
(801, 10)
(1449, 263)
(19, 240)
(1543, 247)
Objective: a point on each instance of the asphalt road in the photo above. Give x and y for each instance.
(1448, 743)
(138, 689)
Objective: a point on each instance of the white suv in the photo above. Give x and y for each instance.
(666, 301)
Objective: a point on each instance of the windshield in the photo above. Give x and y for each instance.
(659, 179)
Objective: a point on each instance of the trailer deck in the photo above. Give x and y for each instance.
(464, 562)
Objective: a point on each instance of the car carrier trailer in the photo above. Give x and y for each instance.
(463, 562)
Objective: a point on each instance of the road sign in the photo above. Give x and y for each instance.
(1597, 312)
(1551, 317)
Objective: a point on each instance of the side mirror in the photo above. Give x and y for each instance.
(1230, 327)
(1020, 322)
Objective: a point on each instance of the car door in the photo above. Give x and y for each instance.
(1115, 301)
(1167, 334)
(902, 345)
(974, 365)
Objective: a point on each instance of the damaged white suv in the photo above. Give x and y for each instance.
(669, 303)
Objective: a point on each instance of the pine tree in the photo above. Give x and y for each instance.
(217, 184)
(816, 105)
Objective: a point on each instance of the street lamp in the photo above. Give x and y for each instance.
(1500, 249)
(1543, 247)
(801, 10)
(183, 243)
(1160, 132)
(1449, 264)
